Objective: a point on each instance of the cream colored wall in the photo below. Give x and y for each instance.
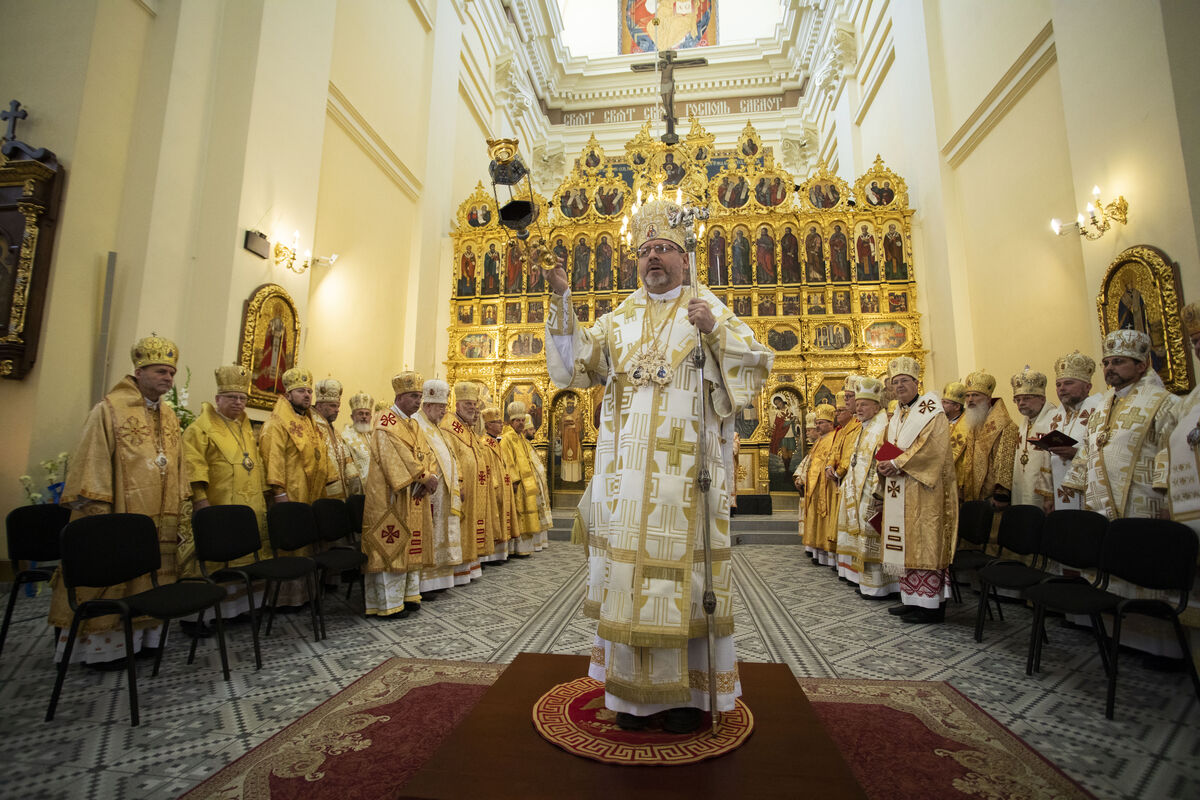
(80, 95)
(356, 306)
(1029, 301)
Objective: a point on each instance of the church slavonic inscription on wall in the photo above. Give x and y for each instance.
(830, 285)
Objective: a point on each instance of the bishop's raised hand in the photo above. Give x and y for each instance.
(557, 277)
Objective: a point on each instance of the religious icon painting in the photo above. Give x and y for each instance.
(627, 277)
(524, 345)
(789, 257)
(466, 314)
(514, 261)
(649, 27)
(672, 171)
(487, 314)
(791, 305)
(742, 306)
(491, 270)
(839, 253)
(894, 266)
(764, 257)
(528, 394)
(866, 250)
(582, 313)
(785, 416)
(814, 255)
(816, 303)
(270, 334)
(834, 336)
(536, 311)
(745, 422)
(841, 301)
(479, 216)
(766, 306)
(476, 346)
(467, 264)
(733, 191)
(592, 159)
(512, 313)
(749, 145)
(879, 193)
(868, 302)
(567, 412)
(739, 261)
(603, 306)
(573, 202)
(604, 264)
(718, 258)
(885, 336)
(770, 191)
(897, 302)
(824, 194)
(610, 200)
(782, 339)
(581, 265)
(880, 188)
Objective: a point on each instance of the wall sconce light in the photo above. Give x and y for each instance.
(289, 257)
(1098, 218)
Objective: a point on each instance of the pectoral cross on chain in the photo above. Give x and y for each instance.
(675, 446)
(668, 61)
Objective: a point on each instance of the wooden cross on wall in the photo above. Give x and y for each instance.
(14, 113)
(668, 61)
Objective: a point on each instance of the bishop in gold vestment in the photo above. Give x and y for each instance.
(458, 429)
(994, 441)
(397, 517)
(645, 548)
(954, 401)
(845, 433)
(357, 433)
(343, 479)
(129, 460)
(225, 468)
(820, 510)
(519, 457)
(501, 515)
(449, 567)
(920, 498)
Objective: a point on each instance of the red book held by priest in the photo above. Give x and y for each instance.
(887, 451)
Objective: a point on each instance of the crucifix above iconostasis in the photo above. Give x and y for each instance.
(822, 271)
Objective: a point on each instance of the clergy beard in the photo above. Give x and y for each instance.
(976, 416)
(362, 427)
(299, 409)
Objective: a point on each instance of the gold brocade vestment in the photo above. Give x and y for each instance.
(519, 455)
(477, 537)
(992, 453)
(217, 449)
(343, 479)
(819, 494)
(962, 448)
(503, 488)
(117, 467)
(395, 524)
(294, 453)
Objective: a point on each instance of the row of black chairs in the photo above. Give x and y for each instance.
(111, 549)
(1154, 554)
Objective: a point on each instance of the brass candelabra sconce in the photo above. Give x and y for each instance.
(1097, 219)
(289, 257)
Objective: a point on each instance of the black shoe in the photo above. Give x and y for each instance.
(875, 597)
(107, 666)
(926, 616)
(411, 607)
(631, 722)
(683, 720)
(903, 611)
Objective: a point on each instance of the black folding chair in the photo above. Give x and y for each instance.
(1157, 554)
(974, 528)
(110, 549)
(292, 527)
(32, 536)
(335, 523)
(1073, 539)
(356, 503)
(1020, 533)
(226, 533)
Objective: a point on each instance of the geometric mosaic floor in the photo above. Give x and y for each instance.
(786, 610)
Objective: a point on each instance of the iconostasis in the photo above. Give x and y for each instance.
(822, 272)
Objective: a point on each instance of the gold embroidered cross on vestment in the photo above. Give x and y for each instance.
(675, 446)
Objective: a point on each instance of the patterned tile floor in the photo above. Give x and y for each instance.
(787, 610)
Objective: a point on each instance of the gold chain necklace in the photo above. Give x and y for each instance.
(650, 364)
(247, 462)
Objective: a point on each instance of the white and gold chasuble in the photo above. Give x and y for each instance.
(1179, 474)
(1031, 466)
(1114, 466)
(1073, 424)
(645, 548)
(360, 450)
(857, 539)
(920, 505)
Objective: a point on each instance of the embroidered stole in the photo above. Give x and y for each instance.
(905, 426)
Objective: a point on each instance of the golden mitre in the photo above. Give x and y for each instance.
(381, 405)
(407, 381)
(328, 391)
(435, 391)
(360, 401)
(652, 221)
(904, 365)
(468, 391)
(1029, 381)
(980, 381)
(1191, 319)
(810, 419)
(868, 388)
(955, 392)
(490, 414)
(825, 412)
(1127, 343)
(233, 378)
(154, 349)
(1076, 366)
(297, 378)
(851, 383)
(515, 409)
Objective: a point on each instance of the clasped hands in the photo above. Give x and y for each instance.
(889, 469)
(424, 486)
